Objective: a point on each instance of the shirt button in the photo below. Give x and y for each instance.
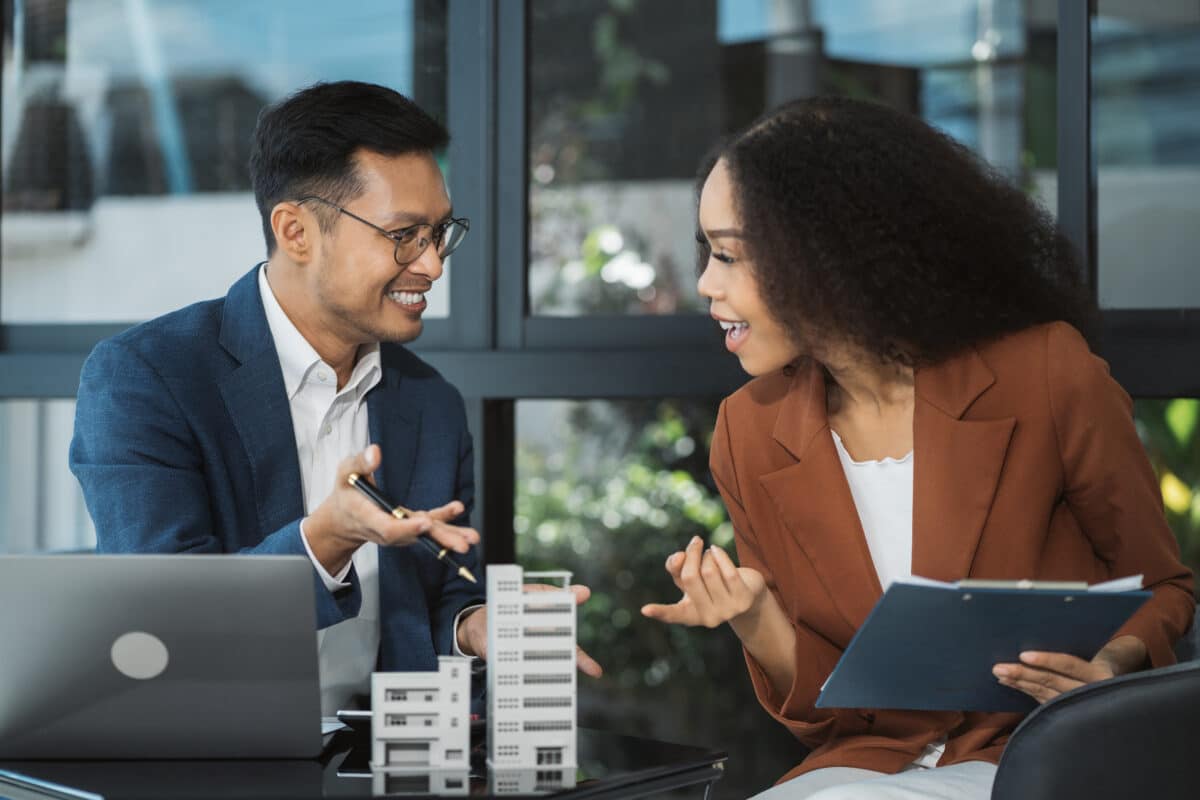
(322, 377)
(328, 429)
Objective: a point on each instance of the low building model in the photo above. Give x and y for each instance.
(421, 720)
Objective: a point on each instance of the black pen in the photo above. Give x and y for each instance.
(400, 512)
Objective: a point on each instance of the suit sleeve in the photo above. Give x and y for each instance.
(1112, 491)
(457, 593)
(142, 474)
(815, 657)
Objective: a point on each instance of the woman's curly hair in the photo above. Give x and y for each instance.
(866, 225)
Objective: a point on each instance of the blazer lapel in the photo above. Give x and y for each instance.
(257, 403)
(394, 420)
(956, 468)
(815, 504)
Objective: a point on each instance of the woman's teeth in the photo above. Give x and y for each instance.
(407, 298)
(734, 330)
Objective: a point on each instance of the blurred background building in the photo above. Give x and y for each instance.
(569, 318)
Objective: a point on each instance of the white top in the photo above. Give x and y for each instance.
(883, 492)
(329, 426)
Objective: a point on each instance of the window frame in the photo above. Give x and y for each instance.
(495, 352)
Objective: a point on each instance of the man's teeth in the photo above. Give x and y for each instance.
(407, 298)
(728, 326)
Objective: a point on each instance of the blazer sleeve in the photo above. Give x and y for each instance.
(141, 470)
(815, 657)
(1111, 489)
(455, 593)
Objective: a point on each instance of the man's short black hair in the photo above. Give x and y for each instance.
(305, 144)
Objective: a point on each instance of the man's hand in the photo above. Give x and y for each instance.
(715, 591)
(347, 519)
(1044, 676)
(472, 630)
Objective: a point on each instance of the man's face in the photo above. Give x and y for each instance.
(363, 295)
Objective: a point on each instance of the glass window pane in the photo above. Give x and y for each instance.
(1146, 126)
(41, 504)
(127, 129)
(625, 98)
(608, 490)
(1170, 430)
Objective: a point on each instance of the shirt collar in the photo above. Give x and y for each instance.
(297, 358)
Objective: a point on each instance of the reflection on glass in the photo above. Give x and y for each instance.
(127, 129)
(1146, 124)
(423, 783)
(608, 490)
(626, 97)
(534, 781)
(41, 504)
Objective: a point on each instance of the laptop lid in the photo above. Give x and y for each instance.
(158, 656)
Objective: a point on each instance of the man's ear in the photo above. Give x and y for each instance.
(296, 231)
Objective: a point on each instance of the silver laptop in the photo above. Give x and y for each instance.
(158, 656)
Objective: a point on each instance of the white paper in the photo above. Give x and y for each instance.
(1129, 584)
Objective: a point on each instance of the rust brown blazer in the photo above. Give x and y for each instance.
(1026, 465)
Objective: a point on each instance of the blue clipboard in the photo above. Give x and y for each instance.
(932, 647)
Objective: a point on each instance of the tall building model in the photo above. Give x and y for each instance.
(421, 720)
(531, 671)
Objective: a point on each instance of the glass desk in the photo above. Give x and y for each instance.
(611, 766)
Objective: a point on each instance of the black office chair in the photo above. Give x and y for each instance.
(1132, 736)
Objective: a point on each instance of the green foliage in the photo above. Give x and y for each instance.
(623, 485)
(1170, 430)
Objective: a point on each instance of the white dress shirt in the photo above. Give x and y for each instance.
(330, 425)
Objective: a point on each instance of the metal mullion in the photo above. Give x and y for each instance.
(512, 158)
(471, 119)
(617, 331)
(1076, 168)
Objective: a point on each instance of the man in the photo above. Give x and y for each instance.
(231, 426)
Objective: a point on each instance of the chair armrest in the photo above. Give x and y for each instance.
(1131, 736)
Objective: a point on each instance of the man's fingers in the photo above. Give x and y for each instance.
(457, 539)
(447, 513)
(364, 463)
(582, 593)
(587, 664)
(400, 531)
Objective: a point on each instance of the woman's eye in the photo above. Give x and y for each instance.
(724, 259)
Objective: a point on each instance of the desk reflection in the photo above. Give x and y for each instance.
(611, 765)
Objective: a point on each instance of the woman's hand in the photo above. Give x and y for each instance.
(1044, 676)
(715, 590)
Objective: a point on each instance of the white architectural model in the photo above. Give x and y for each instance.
(421, 720)
(440, 782)
(531, 780)
(531, 670)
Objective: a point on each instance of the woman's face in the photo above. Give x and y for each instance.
(761, 344)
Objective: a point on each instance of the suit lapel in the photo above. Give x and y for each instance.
(814, 500)
(395, 421)
(257, 403)
(957, 466)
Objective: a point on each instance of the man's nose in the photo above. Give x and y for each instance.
(428, 265)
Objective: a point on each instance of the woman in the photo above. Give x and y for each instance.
(923, 403)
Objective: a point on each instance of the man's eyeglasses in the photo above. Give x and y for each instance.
(411, 241)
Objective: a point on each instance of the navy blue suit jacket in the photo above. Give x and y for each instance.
(184, 444)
